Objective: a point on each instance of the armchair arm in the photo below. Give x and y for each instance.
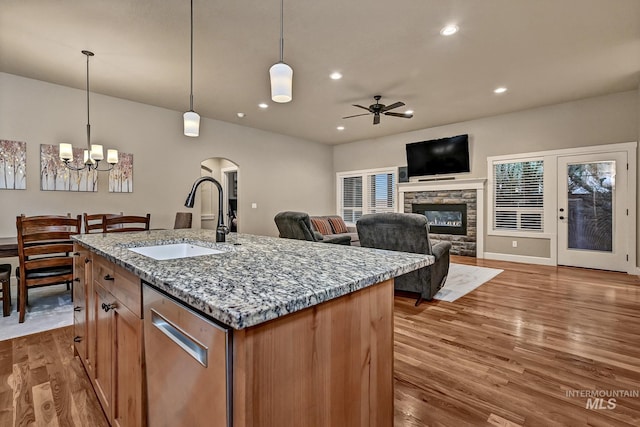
(440, 249)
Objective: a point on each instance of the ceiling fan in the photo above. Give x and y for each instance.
(378, 108)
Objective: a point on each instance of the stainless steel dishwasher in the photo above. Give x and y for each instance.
(188, 365)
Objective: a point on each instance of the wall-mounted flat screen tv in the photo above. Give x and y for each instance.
(438, 156)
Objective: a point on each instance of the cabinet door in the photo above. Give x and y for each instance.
(128, 377)
(91, 316)
(103, 366)
(79, 305)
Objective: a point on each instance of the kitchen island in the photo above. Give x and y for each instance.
(301, 332)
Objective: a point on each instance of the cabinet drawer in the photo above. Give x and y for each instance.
(128, 290)
(103, 272)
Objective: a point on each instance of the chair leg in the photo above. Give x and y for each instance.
(6, 298)
(22, 306)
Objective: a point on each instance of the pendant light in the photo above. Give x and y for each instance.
(94, 152)
(191, 118)
(281, 74)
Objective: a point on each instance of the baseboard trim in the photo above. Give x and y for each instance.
(519, 258)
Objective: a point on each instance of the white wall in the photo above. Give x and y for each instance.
(594, 121)
(278, 172)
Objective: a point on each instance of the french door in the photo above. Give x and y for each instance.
(593, 211)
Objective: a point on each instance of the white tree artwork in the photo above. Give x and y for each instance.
(13, 165)
(55, 176)
(121, 176)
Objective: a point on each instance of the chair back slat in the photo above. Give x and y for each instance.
(123, 223)
(49, 248)
(39, 263)
(93, 222)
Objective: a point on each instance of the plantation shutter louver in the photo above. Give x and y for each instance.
(351, 198)
(381, 192)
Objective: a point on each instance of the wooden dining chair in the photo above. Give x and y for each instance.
(123, 223)
(44, 251)
(5, 280)
(93, 223)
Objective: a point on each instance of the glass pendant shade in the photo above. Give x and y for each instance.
(97, 153)
(66, 151)
(191, 123)
(112, 157)
(281, 82)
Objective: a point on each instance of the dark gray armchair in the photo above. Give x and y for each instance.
(296, 225)
(407, 232)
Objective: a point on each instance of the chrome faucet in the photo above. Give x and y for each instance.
(221, 230)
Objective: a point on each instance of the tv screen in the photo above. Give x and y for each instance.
(438, 156)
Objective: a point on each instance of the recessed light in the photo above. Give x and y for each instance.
(335, 76)
(263, 105)
(408, 112)
(340, 128)
(500, 90)
(449, 30)
(241, 115)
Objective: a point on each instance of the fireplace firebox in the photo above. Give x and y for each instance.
(444, 218)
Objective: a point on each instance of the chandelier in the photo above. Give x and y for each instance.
(94, 152)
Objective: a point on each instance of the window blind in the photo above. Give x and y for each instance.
(381, 192)
(519, 195)
(369, 191)
(351, 198)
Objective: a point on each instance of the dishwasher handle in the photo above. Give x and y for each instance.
(189, 344)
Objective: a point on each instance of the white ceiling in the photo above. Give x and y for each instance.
(544, 51)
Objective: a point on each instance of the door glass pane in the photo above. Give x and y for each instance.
(590, 195)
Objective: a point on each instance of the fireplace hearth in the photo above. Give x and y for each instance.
(446, 218)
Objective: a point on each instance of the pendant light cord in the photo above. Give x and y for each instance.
(88, 54)
(281, 30)
(191, 91)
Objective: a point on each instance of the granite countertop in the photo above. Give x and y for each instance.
(257, 278)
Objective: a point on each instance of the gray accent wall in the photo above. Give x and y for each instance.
(278, 172)
(608, 119)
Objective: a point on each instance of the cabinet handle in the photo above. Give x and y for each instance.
(109, 277)
(77, 308)
(76, 254)
(561, 217)
(77, 279)
(189, 344)
(106, 307)
(77, 338)
(87, 260)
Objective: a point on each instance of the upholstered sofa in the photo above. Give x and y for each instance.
(332, 226)
(296, 225)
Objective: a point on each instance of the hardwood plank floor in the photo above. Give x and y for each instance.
(511, 352)
(506, 354)
(43, 384)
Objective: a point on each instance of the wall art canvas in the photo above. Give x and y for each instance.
(13, 165)
(54, 175)
(121, 176)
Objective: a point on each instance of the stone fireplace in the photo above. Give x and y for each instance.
(453, 209)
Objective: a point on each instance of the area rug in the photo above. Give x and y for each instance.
(49, 308)
(463, 279)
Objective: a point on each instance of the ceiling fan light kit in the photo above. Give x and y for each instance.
(377, 109)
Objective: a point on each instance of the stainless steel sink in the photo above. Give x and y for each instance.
(174, 251)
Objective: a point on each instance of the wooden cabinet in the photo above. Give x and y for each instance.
(82, 313)
(114, 346)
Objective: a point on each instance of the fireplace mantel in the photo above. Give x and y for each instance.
(477, 184)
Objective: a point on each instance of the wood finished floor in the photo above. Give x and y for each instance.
(504, 355)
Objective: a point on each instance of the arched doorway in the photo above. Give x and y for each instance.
(226, 173)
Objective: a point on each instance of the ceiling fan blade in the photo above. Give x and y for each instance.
(360, 106)
(406, 116)
(356, 115)
(392, 106)
(376, 119)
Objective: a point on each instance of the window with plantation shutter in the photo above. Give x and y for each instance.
(518, 195)
(363, 192)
